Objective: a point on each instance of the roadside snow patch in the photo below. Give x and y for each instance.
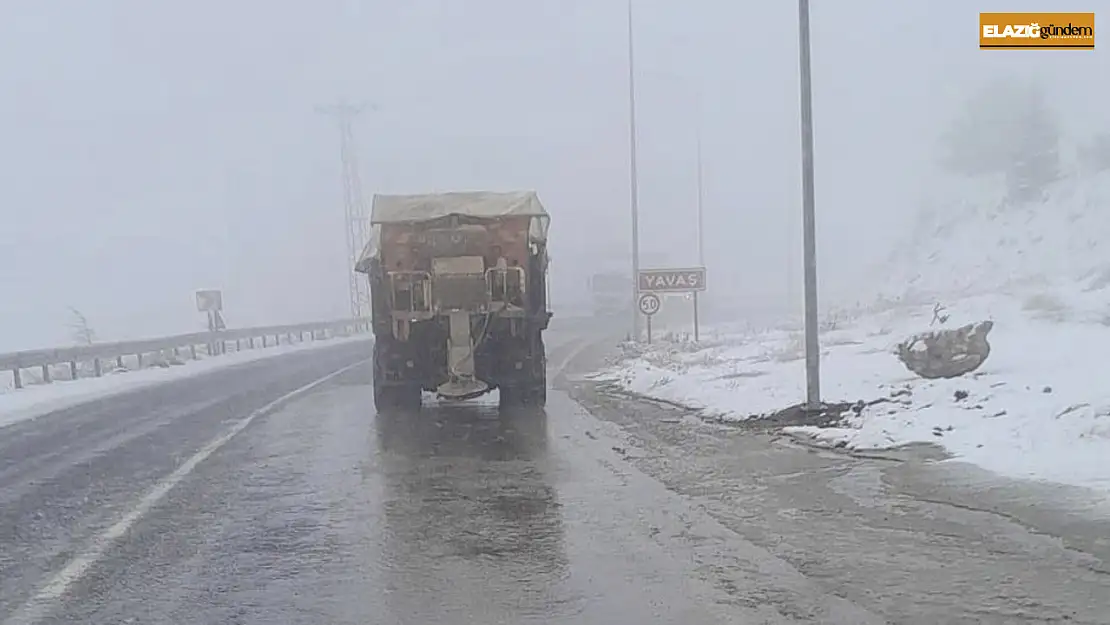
(40, 399)
(1038, 408)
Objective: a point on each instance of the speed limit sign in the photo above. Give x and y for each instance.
(649, 303)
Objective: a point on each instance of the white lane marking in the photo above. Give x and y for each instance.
(41, 604)
(582, 345)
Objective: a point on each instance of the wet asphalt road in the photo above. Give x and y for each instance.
(183, 504)
(319, 511)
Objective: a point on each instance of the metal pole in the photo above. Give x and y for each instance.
(701, 195)
(696, 323)
(633, 186)
(700, 222)
(809, 221)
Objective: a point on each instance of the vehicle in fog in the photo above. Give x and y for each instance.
(458, 296)
(610, 286)
(610, 293)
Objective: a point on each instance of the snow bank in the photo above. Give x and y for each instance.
(1038, 408)
(33, 401)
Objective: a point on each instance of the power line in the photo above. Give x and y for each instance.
(354, 204)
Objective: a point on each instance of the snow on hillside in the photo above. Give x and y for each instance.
(969, 241)
(1036, 409)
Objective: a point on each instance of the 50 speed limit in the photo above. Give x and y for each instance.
(649, 304)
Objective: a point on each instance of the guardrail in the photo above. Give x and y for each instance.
(208, 343)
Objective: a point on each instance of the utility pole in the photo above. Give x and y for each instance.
(701, 195)
(700, 218)
(809, 221)
(357, 217)
(633, 186)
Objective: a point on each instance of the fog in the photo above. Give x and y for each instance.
(151, 149)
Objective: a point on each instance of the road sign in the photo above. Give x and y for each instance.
(649, 303)
(672, 280)
(209, 300)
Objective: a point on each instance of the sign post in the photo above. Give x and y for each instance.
(687, 280)
(649, 304)
(696, 337)
(211, 302)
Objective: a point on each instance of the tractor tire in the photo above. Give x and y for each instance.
(530, 392)
(392, 395)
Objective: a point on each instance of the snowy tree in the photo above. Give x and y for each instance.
(82, 333)
(1006, 128)
(1094, 156)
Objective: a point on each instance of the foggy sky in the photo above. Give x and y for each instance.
(151, 149)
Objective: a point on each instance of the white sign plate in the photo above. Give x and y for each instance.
(672, 280)
(209, 300)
